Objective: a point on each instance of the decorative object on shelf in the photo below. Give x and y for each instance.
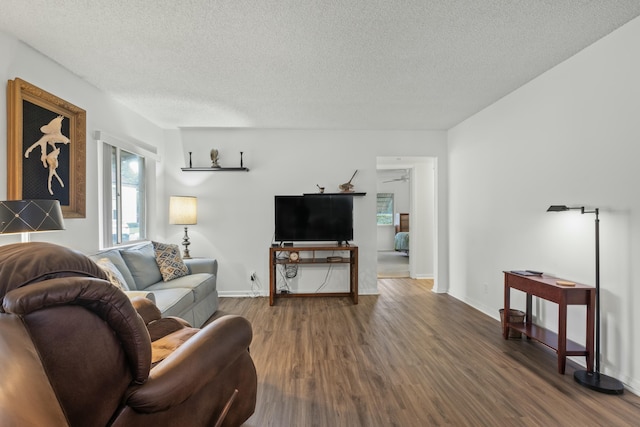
(320, 189)
(190, 164)
(46, 139)
(344, 194)
(183, 210)
(347, 187)
(594, 379)
(211, 169)
(241, 162)
(215, 156)
(30, 216)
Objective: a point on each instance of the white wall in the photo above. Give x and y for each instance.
(235, 219)
(424, 204)
(568, 137)
(103, 113)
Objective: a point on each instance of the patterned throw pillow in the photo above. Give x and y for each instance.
(112, 272)
(169, 261)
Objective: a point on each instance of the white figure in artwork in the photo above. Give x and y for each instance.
(52, 162)
(52, 136)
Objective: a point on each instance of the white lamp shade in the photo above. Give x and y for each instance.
(183, 210)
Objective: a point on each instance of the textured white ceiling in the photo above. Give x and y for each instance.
(351, 64)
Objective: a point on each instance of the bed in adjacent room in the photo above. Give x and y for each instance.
(401, 240)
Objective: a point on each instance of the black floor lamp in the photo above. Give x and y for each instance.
(594, 379)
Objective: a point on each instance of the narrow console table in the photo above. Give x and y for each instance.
(545, 287)
(315, 258)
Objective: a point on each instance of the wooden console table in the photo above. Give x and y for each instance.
(352, 260)
(545, 287)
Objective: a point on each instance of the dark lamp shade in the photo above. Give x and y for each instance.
(557, 208)
(29, 216)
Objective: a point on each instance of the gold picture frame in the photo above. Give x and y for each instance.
(39, 123)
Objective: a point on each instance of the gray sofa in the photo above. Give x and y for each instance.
(192, 297)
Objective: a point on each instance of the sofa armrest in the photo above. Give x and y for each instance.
(202, 265)
(144, 294)
(196, 363)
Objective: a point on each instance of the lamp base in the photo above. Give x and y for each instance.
(186, 243)
(598, 382)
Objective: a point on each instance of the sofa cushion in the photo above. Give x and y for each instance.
(169, 261)
(141, 261)
(201, 284)
(174, 301)
(116, 259)
(113, 274)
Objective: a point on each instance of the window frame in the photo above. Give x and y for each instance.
(149, 156)
(391, 197)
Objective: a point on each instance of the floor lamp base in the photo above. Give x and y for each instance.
(598, 382)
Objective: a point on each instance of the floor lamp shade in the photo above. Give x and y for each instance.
(183, 210)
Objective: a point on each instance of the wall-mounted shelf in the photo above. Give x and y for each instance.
(209, 169)
(334, 194)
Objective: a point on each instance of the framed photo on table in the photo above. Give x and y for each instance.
(46, 148)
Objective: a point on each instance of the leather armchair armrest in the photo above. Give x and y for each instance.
(202, 265)
(145, 308)
(144, 294)
(196, 363)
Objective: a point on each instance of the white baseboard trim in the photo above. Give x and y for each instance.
(250, 294)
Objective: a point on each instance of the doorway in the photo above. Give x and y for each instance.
(406, 246)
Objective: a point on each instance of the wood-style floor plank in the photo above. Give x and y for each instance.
(409, 357)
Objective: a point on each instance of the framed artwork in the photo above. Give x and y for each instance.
(46, 148)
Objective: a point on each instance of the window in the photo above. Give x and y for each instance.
(385, 209)
(125, 176)
(127, 196)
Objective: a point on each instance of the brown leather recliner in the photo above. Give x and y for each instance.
(74, 352)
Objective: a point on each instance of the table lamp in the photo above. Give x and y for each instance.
(30, 216)
(594, 379)
(183, 210)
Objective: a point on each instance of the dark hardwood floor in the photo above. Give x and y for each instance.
(409, 357)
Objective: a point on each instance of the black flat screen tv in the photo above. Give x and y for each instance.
(313, 218)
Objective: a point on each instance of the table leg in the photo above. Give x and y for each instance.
(354, 275)
(528, 312)
(272, 277)
(562, 336)
(505, 313)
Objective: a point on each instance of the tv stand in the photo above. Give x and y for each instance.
(352, 260)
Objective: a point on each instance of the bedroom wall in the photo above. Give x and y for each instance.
(236, 217)
(103, 113)
(569, 137)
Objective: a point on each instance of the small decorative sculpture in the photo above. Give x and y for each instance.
(320, 189)
(52, 161)
(190, 165)
(241, 163)
(214, 158)
(347, 187)
(52, 136)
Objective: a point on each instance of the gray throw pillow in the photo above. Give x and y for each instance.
(141, 261)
